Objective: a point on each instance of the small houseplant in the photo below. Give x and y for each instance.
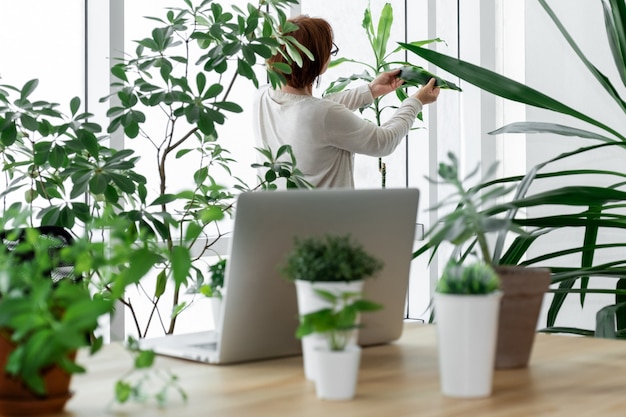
(338, 362)
(332, 263)
(474, 219)
(50, 307)
(43, 322)
(213, 289)
(467, 301)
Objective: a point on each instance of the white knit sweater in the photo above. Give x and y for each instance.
(324, 133)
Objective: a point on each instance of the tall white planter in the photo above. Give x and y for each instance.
(467, 329)
(216, 308)
(308, 302)
(337, 372)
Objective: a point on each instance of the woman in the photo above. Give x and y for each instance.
(325, 133)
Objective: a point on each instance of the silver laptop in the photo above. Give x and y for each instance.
(259, 309)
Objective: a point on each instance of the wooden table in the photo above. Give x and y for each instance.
(568, 376)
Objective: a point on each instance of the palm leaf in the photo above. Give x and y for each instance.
(557, 301)
(548, 256)
(503, 86)
(606, 325)
(383, 32)
(602, 79)
(555, 128)
(569, 330)
(615, 22)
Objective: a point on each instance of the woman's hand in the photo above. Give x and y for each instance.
(385, 83)
(428, 93)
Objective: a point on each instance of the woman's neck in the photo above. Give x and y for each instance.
(304, 91)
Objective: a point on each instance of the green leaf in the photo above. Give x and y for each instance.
(160, 284)
(123, 391)
(543, 127)
(602, 79)
(181, 264)
(615, 22)
(193, 231)
(383, 32)
(28, 89)
(145, 359)
(558, 300)
(243, 68)
(98, 183)
(74, 105)
(8, 136)
(213, 91)
(119, 71)
(164, 199)
(141, 261)
(229, 106)
(58, 156)
(418, 76)
(502, 86)
(606, 326)
(200, 82)
(29, 122)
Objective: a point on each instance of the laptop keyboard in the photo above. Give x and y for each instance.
(208, 346)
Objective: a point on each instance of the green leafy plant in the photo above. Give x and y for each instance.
(143, 382)
(329, 258)
(215, 285)
(186, 70)
(58, 170)
(598, 206)
(383, 60)
(473, 214)
(49, 305)
(59, 167)
(46, 319)
(474, 279)
(338, 321)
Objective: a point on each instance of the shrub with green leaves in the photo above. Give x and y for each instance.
(170, 96)
(329, 258)
(474, 279)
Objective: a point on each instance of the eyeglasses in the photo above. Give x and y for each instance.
(335, 50)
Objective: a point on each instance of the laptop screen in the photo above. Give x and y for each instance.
(260, 312)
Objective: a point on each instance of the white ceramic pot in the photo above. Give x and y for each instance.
(467, 330)
(216, 309)
(308, 302)
(337, 372)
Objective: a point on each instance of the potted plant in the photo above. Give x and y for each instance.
(43, 322)
(213, 289)
(467, 301)
(50, 307)
(593, 210)
(338, 360)
(474, 219)
(331, 263)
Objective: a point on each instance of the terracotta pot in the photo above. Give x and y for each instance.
(523, 290)
(16, 399)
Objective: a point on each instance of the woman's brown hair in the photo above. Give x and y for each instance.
(316, 35)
